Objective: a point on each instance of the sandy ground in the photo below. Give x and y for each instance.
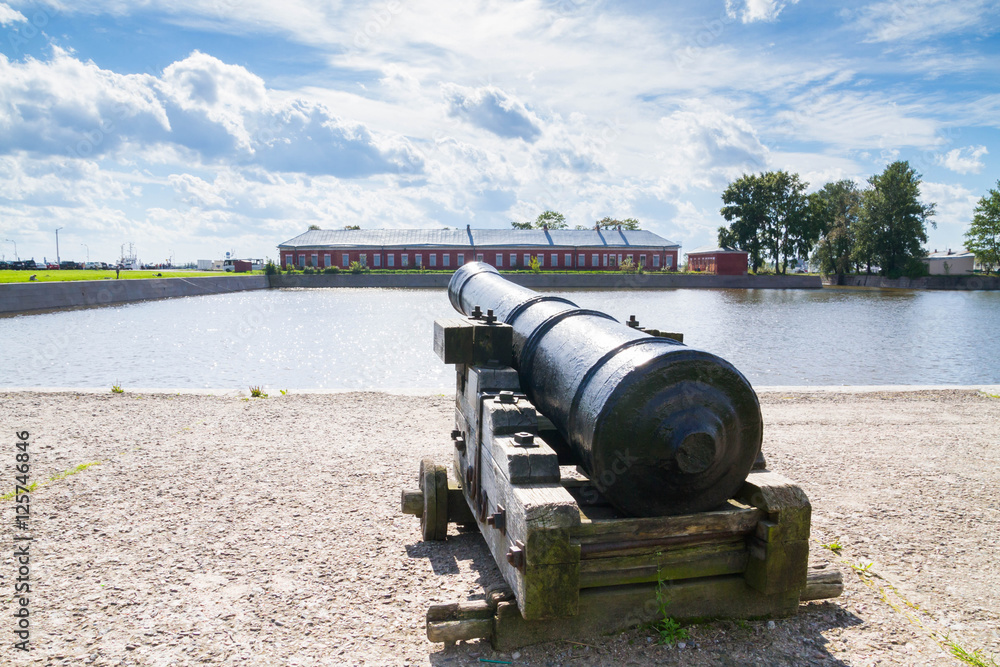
(221, 530)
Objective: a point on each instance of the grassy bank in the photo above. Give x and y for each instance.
(7, 276)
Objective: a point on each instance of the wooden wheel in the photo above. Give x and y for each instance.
(434, 485)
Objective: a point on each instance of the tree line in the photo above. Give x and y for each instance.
(846, 228)
(556, 220)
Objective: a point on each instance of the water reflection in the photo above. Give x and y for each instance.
(381, 338)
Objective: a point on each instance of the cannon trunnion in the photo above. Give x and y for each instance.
(604, 467)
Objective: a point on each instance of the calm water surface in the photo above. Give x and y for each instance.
(382, 338)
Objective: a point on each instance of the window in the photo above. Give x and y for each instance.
(541, 259)
(315, 260)
(302, 260)
(363, 258)
(593, 261)
(568, 260)
(479, 257)
(326, 260)
(642, 261)
(461, 259)
(499, 259)
(377, 260)
(434, 259)
(527, 259)
(656, 261)
(513, 260)
(404, 259)
(605, 258)
(670, 261)
(447, 259)
(631, 259)
(554, 260)
(346, 259)
(418, 260)
(390, 260)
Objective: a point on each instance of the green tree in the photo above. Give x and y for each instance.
(892, 226)
(837, 207)
(612, 223)
(770, 215)
(745, 211)
(552, 219)
(352, 226)
(983, 237)
(314, 227)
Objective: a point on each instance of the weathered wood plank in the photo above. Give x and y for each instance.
(611, 609)
(707, 560)
(822, 582)
(453, 340)
(735, 521)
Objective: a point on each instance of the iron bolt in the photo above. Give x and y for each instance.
(632, 322)
(515, 555)
(506, 397)
(498, 519)
(524, 438)
(456, 434)
(460, 443)
(477, 313)
(490, 317)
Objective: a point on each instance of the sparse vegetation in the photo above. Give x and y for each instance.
(356, 268)
(54, 478)
(117, 388)
(834, 546)
(257, 392)
(669, 630)
(976, 658)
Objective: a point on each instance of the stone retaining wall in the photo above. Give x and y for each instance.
(927, 282)
(37, 296)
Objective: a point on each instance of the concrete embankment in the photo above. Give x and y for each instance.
(927, 282)
(38, 296)
(544, 281)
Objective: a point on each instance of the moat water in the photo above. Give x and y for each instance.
(381, 339)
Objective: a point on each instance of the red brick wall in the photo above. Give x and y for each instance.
(606, 258)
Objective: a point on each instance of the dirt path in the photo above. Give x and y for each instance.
(217, 530)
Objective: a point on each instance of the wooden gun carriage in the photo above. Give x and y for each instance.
(608, 470)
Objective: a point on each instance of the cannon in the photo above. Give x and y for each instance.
(608, 468)
(664, 428)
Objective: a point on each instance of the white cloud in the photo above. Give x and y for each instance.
(9, 16)
(756, 10)
(964, 160)
(216, 111)
(493, 110)
(919, 20)
(702, 146)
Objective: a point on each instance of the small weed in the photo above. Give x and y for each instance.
(54, 478)
(117, 388)
(834, 546)
(283, 392)
(989, 395)
(861, 567)
(976, 658)
(670, 631)
(743, 624)
(257, 392)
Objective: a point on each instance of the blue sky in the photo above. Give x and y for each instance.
(192, 128)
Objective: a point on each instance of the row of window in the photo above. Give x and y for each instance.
(605, 260)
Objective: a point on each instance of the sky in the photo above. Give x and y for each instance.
(192, 128)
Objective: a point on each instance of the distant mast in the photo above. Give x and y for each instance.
(129, 261)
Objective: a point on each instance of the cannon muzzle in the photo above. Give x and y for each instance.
(660, 428)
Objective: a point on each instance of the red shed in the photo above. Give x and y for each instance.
(722, 261)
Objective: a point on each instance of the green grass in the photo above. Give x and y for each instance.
(117, 389)
(976, 658)
(834, 546)
(54, 478)
(8, 276)
(257, 392)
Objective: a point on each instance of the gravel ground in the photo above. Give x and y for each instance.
(223, 530)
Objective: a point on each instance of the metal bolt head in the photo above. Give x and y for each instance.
(515, 555)
(524, 438)
(506, 397)
(456, 434)
(477, 313)
(632, 322)
(460, 443)
(490, 317)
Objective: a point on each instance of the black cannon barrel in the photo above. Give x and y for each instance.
(661, 428)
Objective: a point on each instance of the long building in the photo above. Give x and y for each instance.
(556, 249)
